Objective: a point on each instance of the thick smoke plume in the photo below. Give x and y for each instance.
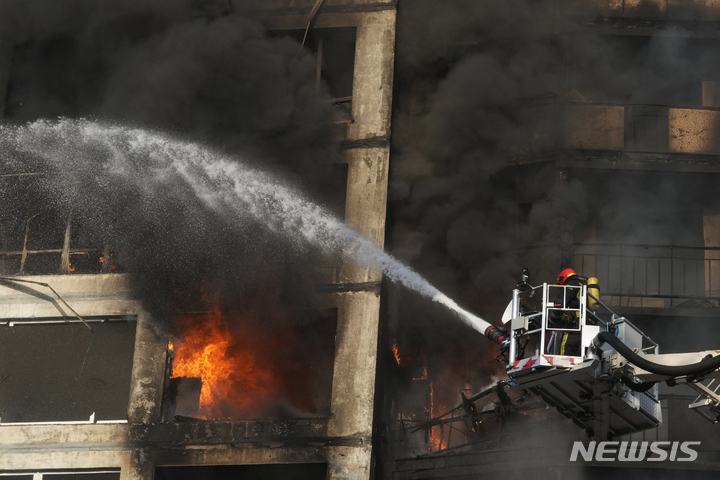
(462, 71)
(475, 191)
(203, 73)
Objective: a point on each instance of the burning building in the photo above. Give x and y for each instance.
(146, 336)
(196, 377)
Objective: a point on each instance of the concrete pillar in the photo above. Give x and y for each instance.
(354, 375)
(347, 463)
(358, 312)
(6, 49)
(354, 383)
(366, 204)
(148, 374)
(373, 78)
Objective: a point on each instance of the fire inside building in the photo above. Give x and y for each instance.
(145, 335)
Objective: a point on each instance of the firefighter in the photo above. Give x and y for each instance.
(570, 297)
(567, 343)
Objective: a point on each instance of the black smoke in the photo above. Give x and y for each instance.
(477, 186)
(464, 72)
(202, 72)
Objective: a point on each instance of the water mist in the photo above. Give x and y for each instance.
(224, 183)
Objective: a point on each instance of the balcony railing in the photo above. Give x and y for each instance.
(652, 275)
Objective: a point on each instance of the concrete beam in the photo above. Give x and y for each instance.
(138, 449)
(89, 295)
(678, 163)
(139, 464)
(327, 19)
(230, 454)
(27, 437)
(280, 8)
(44, 459)
(253, 433)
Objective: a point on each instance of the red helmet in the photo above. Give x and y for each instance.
(564, 275)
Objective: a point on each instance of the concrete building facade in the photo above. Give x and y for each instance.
(135, 445)
(665, 283)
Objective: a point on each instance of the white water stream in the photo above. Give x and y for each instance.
(223, 183)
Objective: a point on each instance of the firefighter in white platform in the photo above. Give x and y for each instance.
(566, 342)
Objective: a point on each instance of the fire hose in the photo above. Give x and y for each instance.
(708, 364)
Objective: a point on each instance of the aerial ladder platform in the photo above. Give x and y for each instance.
(565, 346)
(596, 367)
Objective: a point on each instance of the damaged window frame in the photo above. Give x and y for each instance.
(66, 252)
(315, 40)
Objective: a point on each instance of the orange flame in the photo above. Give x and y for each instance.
(436, 441)
(234, 383)
(424, 375)
(396, 352)
(445, 374)
(102, 262)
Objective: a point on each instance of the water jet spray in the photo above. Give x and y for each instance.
(224, 184)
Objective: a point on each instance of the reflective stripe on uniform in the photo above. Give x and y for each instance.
(564, 341)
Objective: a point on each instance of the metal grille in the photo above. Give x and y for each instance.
(650, 404)
(653, 271)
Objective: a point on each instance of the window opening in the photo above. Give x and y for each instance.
(55, 371)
